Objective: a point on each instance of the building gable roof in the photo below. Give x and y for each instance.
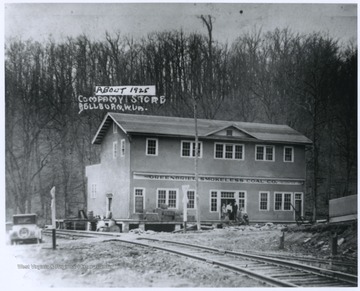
(132, 124)
(239, 132)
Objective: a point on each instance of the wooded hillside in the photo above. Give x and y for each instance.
(308, 82)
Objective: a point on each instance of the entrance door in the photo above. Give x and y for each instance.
(226, 198)
(139, 200)
(109, 198)
(298, 205)
(226, 201)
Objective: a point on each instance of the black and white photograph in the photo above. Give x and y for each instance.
(179, 144)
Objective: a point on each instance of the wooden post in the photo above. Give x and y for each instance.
(54, 238)
(282, 241)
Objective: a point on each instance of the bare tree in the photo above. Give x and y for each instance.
(27, 116)
(316, 86)
(305, 81)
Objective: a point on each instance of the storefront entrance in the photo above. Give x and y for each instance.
(226, 201)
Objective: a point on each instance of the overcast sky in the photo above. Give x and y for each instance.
(38, 21)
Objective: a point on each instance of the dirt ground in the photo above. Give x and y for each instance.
(105, 262)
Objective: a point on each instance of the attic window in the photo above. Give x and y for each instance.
(114, 127)
(229, 132)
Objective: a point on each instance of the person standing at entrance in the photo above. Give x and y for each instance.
(235, 209)
(229, 210)
(223, 211)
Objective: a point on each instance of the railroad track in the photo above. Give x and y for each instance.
(349, 266)
(272, 271)
(275, 272)
(67, 233)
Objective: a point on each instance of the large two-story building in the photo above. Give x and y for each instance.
(145, 161)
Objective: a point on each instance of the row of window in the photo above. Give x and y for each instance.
(227, 151)
(168, 197)
(283, 201)
(221, 150)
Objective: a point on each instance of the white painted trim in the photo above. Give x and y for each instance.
(122, 148)
(218, 143)
(107, 203)
(194, 198)
(101, 126)
(108, 115)
(292, 154)
(143, 196)
(191, 148)
(221, 179)
(291, 201)
(167, 196)
(268, 200)
(264, 147)
(302, 202)
(218, 202)
(218, 196)
(156, 148)
(283, 200)
(245, 198)
(228, 126)
(233, 152)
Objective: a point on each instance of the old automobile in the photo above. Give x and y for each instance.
(25, 229)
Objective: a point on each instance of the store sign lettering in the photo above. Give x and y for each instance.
(164, 177)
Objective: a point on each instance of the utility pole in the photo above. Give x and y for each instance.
(185, 201)
(53, 217)
(196, 167)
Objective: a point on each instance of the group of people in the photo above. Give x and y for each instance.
(232, 212)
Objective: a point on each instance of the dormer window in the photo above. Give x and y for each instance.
(229, 132)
